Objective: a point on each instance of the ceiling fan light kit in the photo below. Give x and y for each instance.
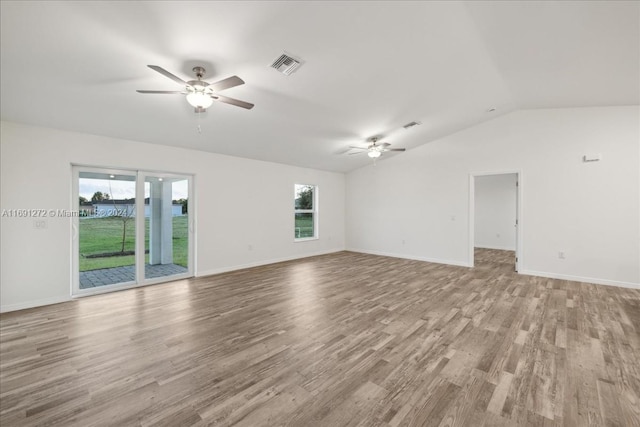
(199, 99)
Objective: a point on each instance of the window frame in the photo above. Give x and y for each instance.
(313, 212)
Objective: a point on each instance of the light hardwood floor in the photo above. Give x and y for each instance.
(335, 340)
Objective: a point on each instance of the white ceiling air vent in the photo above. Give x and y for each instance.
(411, 124)
(286, 64)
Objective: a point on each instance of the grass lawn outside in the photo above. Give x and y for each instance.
(304, 226)
(103, 235)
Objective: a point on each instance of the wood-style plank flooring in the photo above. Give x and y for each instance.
(345, 339)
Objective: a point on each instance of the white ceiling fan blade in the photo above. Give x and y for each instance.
(232, 101)
(169, 92)
(226, 83)
(168, 74)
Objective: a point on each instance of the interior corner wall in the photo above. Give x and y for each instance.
(416, 204)
(244, 208)
(495, 211)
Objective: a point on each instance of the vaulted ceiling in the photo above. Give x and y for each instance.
(369, 68)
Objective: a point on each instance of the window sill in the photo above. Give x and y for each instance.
(304, 239)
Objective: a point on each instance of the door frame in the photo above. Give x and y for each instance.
(518, 225)
(139, 174)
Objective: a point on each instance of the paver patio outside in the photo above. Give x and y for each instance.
(110, 276)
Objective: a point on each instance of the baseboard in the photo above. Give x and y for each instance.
(263, 262)
(581, 279)
(31, 304)
(500, 248)
(411, 257)
(525, 272)
(56, 300)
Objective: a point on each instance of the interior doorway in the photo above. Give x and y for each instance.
(494, 220)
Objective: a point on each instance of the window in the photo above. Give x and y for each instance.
(306, 214)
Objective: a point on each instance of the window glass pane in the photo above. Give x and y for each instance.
(304, 197)
(304, 225)
(106, 229)
(166, 226)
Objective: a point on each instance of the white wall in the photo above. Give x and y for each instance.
(239, 202)
(495, 211)
(415, 204)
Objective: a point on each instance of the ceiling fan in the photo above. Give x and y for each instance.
(201, 94)
(375, 149)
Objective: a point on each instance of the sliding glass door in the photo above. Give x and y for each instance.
(132, 228)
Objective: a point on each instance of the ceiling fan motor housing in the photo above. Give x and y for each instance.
(200, 71)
